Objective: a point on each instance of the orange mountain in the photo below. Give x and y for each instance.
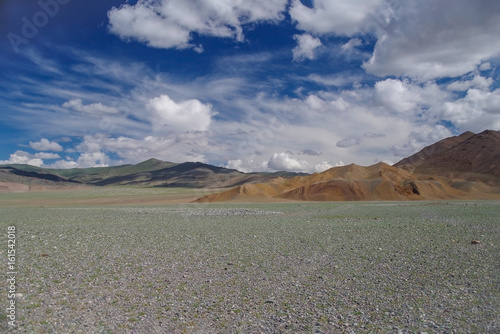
(461, 167)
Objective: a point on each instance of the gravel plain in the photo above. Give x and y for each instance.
(370, 267)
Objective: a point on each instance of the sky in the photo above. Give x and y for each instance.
(254, 85)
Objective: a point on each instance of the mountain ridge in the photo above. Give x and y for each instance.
(149, 173)
(473, 157)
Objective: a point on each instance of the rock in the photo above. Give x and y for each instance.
(475, 242)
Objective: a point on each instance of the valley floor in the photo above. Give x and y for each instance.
(346, 267)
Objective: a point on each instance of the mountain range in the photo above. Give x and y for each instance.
(465, 166)
(150, 173)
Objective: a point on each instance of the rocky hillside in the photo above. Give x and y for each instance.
(472, 157)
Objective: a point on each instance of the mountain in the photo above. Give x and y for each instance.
(472, 157)
(465, 166)
(150, 173)
(354, 183)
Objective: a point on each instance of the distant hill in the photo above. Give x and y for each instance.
(28, 178)
(465, 166)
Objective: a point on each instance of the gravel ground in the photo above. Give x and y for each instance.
(257, 268)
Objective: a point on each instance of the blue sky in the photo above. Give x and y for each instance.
(256, 85)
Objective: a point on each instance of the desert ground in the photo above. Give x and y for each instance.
(86, 264)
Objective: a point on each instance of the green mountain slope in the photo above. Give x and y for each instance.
(98, 175)
(150, 173)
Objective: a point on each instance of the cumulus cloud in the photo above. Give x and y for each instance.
(171, 23)
(94, 108)
(341, 17)
(92, 159)
(283, 161)
(189, 115)
(21, 157)
(85, 160)
(315, 102)
(399, 97)
(322, 166)
(306, 46)
(396, 95)
(476, 82)
(64, 164)
(46, 156)
(46, 145)
(436, 40)
(239, 165)
(478, 110)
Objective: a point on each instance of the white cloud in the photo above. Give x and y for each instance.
(94, 108)
(21, 157)
(46, 145)
(477, 111)
(322, 166)
(403, 97)
(239, 165)
(341, 17)
(170, 116)
(170, 23)
(85, 160)
(282, 161)
(396, 95)
(314, 102)
(46, 155)
(485, 67)
(306, 46)
(442, 39)
(93, 159)
(351, 44)
(64, 164)
(476, 82)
